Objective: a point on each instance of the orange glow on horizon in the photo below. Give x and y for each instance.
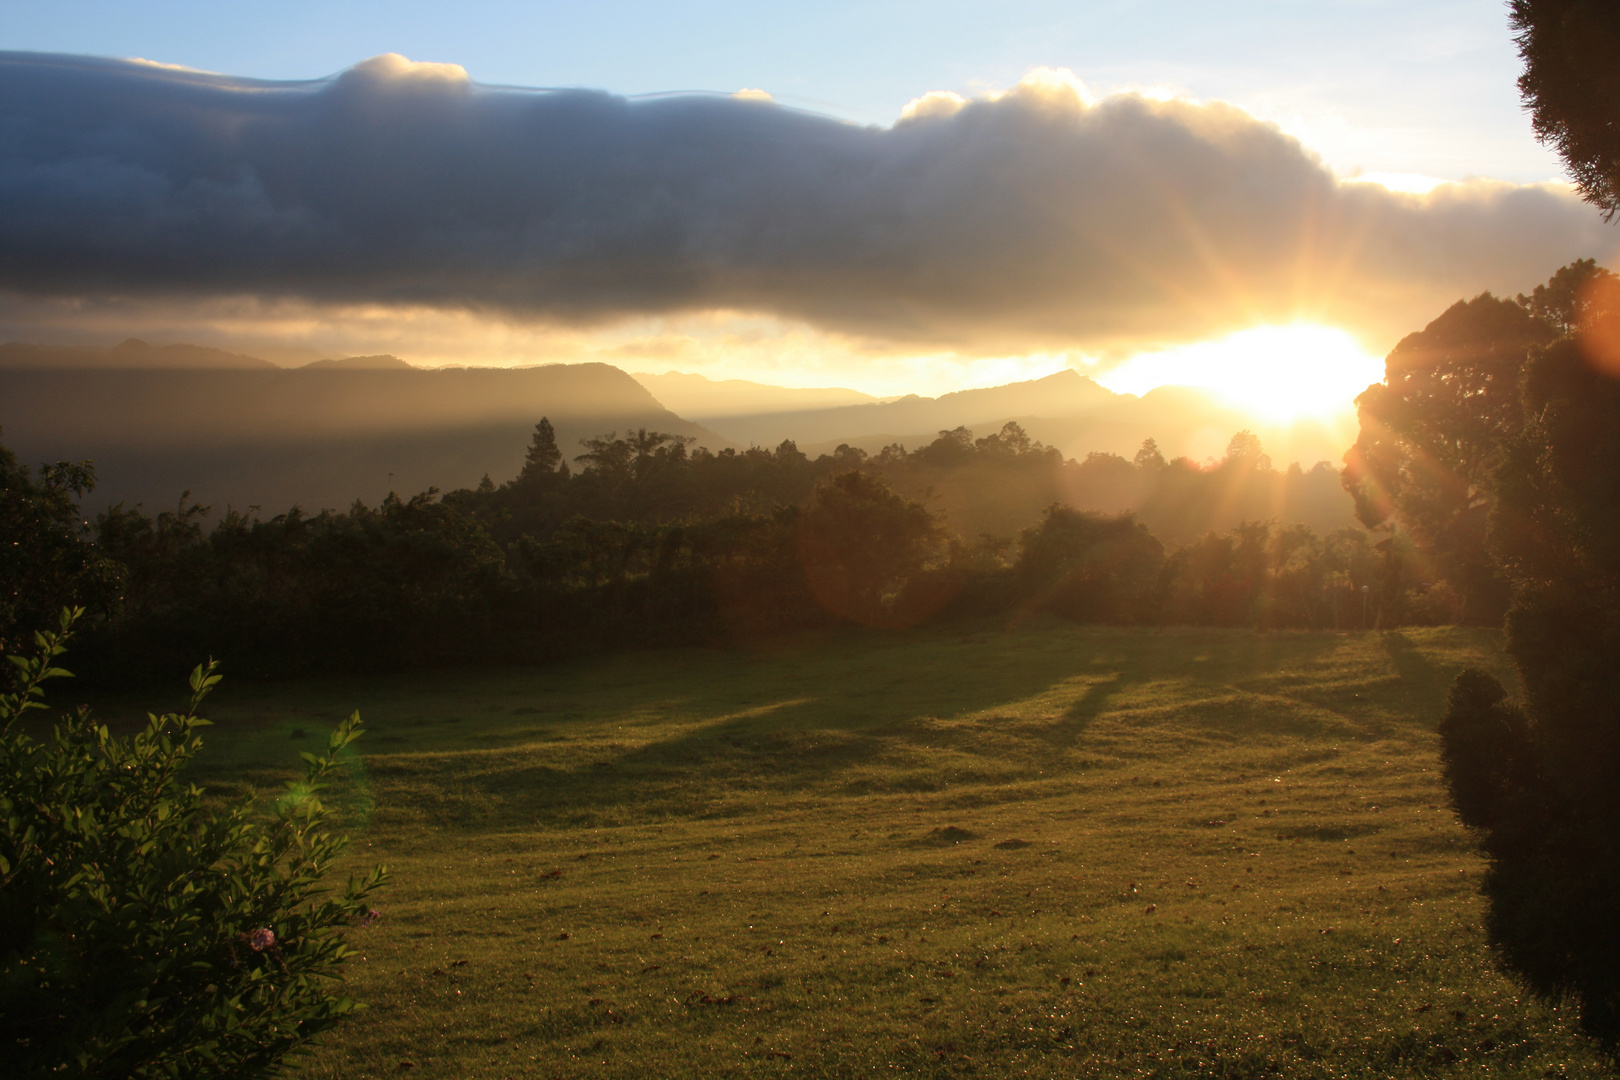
(1278, 374)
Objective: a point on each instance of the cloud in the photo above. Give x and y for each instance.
(1037, 218)
(936, 104)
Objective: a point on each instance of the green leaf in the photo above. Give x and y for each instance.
(127, 862)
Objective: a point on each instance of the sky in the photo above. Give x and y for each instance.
(1374, 85)
(933, 196)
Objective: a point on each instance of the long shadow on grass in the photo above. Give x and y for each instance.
(1420, 677)
(1068, 730)
(903, 717)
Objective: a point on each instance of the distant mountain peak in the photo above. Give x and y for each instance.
(1065, 393)
(273, 437)
(1067, 381)
(379, 362)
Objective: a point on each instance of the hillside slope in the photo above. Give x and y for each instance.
(317, 438)
(704, 399)
(1066, 393)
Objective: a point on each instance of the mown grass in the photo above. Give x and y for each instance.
(1042, 851)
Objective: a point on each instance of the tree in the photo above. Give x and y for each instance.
(49, 561)
(1106, 483)
(544, 461)
(635, 457)
(1577, 295)
(1571, 84)
(862, 545)
(1089, 567)
(952, 449)
(144, 933)
(409, 582)
(848, 457)
(1434, 431)
(1539, 780)
(609, 457)
(1244, 452)
(1221, 580)
(1011, 441)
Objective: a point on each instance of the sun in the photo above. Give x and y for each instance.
(1274, 373)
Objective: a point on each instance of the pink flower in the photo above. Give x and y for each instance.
(262, 939)
(370, 917)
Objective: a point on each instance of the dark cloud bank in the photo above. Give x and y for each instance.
(1033, 220)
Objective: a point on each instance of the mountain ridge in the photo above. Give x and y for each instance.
(279, 437)
(1064, 393)
(702, 398)
(129, 354)
(184, 404)
(379, 362)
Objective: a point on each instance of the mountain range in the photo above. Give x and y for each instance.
(237, 430)
(707, 401)
(133, 354)
(315, 437)
(1067, 410)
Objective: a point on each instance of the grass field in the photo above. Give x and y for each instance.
(1046, 851)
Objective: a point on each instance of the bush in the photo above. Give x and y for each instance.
(143, 932)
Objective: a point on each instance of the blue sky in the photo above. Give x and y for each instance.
(1423, 87)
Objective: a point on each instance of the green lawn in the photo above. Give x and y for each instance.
(1046, 851)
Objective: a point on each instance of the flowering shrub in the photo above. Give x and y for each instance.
(144, 933)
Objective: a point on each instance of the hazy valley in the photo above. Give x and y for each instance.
(237, 431)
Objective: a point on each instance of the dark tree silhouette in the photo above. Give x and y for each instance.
(654, 542)
(1571, 84)
(609, 457)
(1011, 441)
(48, 562)
(952, 449)
(1577, 294)
(544, 461)
(1434, 431)
(863, 545)
(1541, 781)
(1089, 567)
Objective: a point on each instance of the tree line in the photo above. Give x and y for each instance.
(645, 540)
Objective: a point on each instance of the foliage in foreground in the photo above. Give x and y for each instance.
(1540, 781)
(144, 933)
(1435, 431)
(1572, 90)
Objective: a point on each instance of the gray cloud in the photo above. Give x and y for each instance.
(1034, 220)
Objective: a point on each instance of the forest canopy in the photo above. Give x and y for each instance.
(643, 538)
